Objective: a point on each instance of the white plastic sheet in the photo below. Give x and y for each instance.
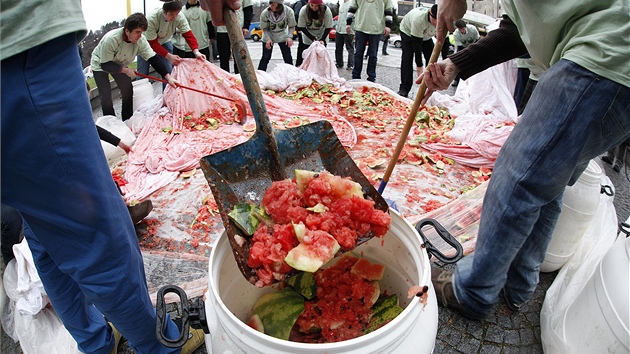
(575, 274)
(114, 125)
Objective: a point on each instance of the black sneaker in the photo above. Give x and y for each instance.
(349, 67)
(385, 54)
(403, 93)
(443, 284)
(511, 305)
(140, 211)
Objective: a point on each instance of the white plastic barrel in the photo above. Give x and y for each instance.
(142, 92)
(230, 298)
(579, 206)
(599, 318)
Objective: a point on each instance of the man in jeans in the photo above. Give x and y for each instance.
(579, 109)
(372, 19)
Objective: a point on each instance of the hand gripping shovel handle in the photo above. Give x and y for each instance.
(242, 115)
(410, 120)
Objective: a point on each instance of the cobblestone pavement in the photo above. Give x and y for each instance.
(501, 332)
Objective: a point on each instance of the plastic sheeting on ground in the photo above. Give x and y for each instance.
(485, 112)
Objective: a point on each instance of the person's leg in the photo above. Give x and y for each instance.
(540, 157)
(286, 53)
(167, 63)
(301, 47)
(339, 44)
(126, 93)
(223, 44)
(384, 48)
(374, 40)
(204, 51)
(104, 92)
(527, 93)
(266, 56)
(349, 40)
(445, 47)
(360, 43)
(55, 173)
(406, 65)
(427, 49)
(181, 53)
(522, 75)
(142, 66)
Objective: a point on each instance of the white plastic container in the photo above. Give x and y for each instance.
(579, 206)
(599, 318)
(142, 92)
(230, 298)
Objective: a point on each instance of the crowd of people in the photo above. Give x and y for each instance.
(55, 177)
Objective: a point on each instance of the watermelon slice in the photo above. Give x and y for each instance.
(368, 271)
(317, 248)
(278, 312)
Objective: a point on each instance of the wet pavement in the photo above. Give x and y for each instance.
(501, 332)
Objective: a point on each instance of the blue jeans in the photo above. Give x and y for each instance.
(78, 228)
(143, 65)
(572, 117)
(372, 40)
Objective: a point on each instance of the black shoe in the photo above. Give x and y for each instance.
(403, 93)
(385, 53)
(511, 305)
(140, 211)
(609, 157)
(349, 67)
(443, 284)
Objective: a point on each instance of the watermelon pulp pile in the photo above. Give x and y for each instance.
(303, 223)
(334, 304)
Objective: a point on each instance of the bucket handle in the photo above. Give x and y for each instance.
(192, 315)
(445, 235)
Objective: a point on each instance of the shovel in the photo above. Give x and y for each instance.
(240, 106)
(243, 173)
(437, 49)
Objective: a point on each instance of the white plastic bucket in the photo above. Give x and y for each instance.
(598, 320)
(579, 205)
(142, 92)
(230, 298)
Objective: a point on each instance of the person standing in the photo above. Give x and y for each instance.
(224, 46)
(297, 8)
(464, 36)
(277, 22)
(385, 42)
(372, 19)
(201, 26)
(163, 23)
(343, 38)
(118, 48)
(579, 109)
(314, 23)
(54, 173)
(417, 29)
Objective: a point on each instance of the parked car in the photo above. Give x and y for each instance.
(87, 71)
(394, 39)
(252, 26)
(256, 34)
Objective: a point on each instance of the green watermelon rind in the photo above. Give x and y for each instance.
(385, 309)
(242, 217)
(279, 311)
(304, 283)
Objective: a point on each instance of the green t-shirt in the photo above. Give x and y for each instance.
(198, 19)
(113, 47)
(416, 24)
(315, 27)
(27, 24)
(466, 39)
(239, 14)
(277, 28)
(370, 15)
(341, 20)
(163, 30)
(592, 34)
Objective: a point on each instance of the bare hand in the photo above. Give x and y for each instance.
(199, 55)
(124, 146)
(175, 59)
(245, 32)
(386, 32)
(438, 76)
(129, 72)
(348, 29)
(449, 11)
(289, 42)
(216, 9)
(269, 44)
(171, 81)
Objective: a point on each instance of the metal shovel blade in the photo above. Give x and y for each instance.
(243, 173)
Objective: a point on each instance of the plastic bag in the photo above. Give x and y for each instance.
(114, 125)
(575, 274)
(44, 333)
